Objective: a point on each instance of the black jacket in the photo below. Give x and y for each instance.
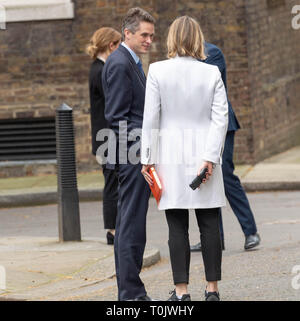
(97, 102)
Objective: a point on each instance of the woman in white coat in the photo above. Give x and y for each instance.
(184, 128)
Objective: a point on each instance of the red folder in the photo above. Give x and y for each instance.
(156, 188)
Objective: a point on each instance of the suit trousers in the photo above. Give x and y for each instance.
(130, 236)
(234, 191)
(179, 245)
(110, 198)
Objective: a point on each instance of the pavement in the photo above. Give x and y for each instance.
(35, 265)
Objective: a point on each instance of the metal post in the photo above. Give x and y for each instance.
(68, 200)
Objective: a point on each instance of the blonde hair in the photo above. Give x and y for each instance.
(100, 41)
(185, 38)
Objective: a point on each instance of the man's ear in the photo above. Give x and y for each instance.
(127, 33)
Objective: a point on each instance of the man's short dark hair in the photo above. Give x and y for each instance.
(133, 18)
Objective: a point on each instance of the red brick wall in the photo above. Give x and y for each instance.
(43, 64)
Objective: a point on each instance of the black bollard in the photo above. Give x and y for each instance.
(68, 200)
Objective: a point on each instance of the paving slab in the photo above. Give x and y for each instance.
(39, 268)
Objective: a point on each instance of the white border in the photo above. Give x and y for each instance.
(32, 10)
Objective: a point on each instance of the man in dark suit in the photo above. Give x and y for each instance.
(124, 84)
(234, 191)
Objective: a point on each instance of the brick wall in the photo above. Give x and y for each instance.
(274, 74)
(224, 24)
(43, 64)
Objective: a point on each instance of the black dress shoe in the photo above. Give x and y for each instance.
(142, 298)
(174, 297)
(197, 247)
(252, 241)
(110, 238)
(212, 296)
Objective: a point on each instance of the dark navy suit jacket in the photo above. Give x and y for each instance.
(216, 57)
(124, 90)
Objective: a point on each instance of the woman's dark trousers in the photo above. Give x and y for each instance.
(179, 245)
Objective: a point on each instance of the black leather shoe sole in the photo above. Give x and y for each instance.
(251, 246)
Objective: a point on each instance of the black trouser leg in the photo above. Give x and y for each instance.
(110, 198)
(179, 245)
(208, 222)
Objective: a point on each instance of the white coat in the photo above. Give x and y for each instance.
(185, 123)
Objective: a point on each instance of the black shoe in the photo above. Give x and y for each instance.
(197, 247)
(174, 297)
(212, 296)
(142, 298)
(252, 241)
(110, 238)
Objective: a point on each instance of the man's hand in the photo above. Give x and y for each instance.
(146, 175)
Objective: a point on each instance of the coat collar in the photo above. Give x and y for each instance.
(133, 54)
(184, 57)
(133, 63)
